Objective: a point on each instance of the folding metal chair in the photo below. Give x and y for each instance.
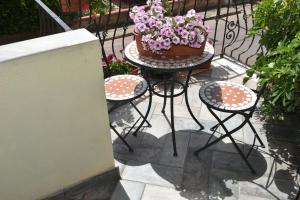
(124, 89)
(235, 99)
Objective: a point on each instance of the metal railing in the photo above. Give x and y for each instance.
(50, 23)
(230, 22)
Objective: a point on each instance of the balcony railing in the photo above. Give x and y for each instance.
(50, 23)
(230, 22)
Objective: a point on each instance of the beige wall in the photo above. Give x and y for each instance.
(53, 116)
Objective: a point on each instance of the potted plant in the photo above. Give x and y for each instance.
(115, 66)
(163, 37)
(277, 22)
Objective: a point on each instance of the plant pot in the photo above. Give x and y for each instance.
(175, 52)
(134, 70)
(69, 6)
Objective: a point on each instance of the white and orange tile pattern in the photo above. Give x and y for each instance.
(227, 95)
(124, 87)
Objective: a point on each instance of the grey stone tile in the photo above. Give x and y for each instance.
(177, 100)
(166, 155)
(185, 124)
(198, 164)
(199, 139)
(250, 197)
(179, 110)
(285, 170)
(234, 162)
(128, 190)
(193, 96)
(154, 192)
(223, 185)
(268, 188)
(284, 151)
(156, 135)
(206, 115)
(140, 154)
(153, 174)
(196, 176)
(231, 124)
(120, 164)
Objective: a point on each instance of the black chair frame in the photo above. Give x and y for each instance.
(247, 114)
(117, 104)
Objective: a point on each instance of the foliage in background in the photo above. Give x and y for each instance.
(278, 23)
(280, 69)
(99, 6)
(19, 16)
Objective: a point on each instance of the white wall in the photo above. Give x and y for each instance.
(54, 129)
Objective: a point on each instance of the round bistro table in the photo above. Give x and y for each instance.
(170, 67)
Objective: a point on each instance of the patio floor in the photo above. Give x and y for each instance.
(151, 171)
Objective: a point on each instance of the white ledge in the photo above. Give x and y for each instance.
(42, 44)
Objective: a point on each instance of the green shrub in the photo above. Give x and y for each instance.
(278, 24)
(276, 21)
(280, 69)
(19, 16)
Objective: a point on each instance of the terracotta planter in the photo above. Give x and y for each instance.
(134, 70)
(175, 52)
(72, 5)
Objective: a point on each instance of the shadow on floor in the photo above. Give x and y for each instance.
(213, 174)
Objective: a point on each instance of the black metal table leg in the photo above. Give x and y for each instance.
(187, 100)
(172, 115)
(165, 94)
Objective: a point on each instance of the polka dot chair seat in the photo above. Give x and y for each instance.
(124, 87)
(224, 95)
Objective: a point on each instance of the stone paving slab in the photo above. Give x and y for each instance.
(128, 190)
(218, 172)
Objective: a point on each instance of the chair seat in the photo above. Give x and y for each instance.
(124, 87)
(224, 95)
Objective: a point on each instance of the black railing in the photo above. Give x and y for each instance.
(50, 23)
(230, 22)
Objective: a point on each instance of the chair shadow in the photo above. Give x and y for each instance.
(202, 176)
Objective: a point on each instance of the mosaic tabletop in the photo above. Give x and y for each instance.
(124, 87)
(132, 55)
(227, 96)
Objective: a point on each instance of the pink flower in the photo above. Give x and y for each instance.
(94, 16)
(85, 7)
(179, 19)
(159, 24)
(145, 19)
(176, 40)
(157, 46)
(192, 35)
(140, 28)
(184, 34)
(195, 45)
(160, 32)
(184, 41)
(189, 26)
(151, 23)
(198, 17)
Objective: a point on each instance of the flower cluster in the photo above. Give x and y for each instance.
(115, 66)
(160, 32)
